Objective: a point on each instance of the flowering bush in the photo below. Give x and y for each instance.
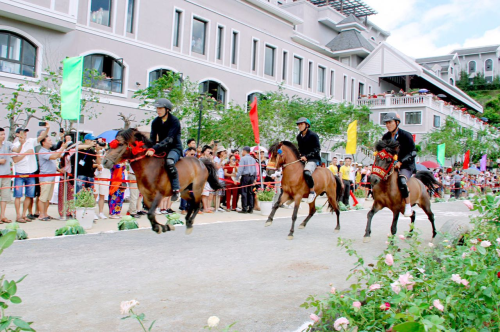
(415, 286)
(265, 195)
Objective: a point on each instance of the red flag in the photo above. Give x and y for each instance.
(414, 137)
(466, 159)
(254, 118)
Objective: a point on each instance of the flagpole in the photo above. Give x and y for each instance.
(260, 168)
(76, 153)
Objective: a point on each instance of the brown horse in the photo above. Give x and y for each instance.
(152, 180)
(384, 181)
(293, 185)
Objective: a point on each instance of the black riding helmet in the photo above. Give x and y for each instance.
(391, 116)
(163, 102)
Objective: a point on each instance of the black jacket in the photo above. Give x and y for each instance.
(406, 148)
(309, 146)
(166, 136)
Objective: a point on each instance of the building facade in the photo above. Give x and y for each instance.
(233, 48)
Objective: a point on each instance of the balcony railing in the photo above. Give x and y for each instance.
(389, 101)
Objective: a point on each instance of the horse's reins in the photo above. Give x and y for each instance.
(136, 149)
(384, 173)
(279, 152)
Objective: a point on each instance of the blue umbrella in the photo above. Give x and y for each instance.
(108, 135)
(421, 168)
(423, 90)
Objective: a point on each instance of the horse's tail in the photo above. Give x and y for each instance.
(338, 181)
(428, 180)
(213, 178)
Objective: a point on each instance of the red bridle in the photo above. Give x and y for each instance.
(136, 148)
(384, 173)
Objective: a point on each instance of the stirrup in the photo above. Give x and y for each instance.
(175, 195)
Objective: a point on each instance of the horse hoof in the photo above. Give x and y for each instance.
(290, 237)
(302, 226)
(189, 230)
(170, 228)
(269, 223)
(158, 230)
(336, 230)
(366, 239)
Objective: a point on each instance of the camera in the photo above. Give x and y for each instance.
(42, 124)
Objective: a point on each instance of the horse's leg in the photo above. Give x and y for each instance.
(282, 199)
(412, 225)
(294, 216)
(194, 206)
(375, 208)
(312, 211)
(394, 225)
(156, 227)
(426, 206)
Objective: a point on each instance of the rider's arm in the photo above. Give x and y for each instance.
(317, 148)
(411, 148)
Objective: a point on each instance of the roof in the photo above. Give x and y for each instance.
(473, 50)
(349, 19)
(439, 58)
(355, 7)
(348, 40)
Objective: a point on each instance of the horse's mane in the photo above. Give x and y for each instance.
(274, 148)
(127, 135)
(389, 145)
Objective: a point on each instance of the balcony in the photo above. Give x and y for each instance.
(387, 102)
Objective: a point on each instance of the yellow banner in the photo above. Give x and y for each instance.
(352, 136)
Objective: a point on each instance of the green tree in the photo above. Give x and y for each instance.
(451, 133)
(463, 82)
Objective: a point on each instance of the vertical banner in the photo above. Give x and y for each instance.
(466, 160)
(352, 136)
(482, 165)
(414, 137)
(440, 153)
(71, 88)
(254, 118)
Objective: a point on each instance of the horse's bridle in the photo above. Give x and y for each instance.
(384, 173)
(136, 149)
(278, 155)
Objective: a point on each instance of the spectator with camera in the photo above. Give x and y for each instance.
(88, 161)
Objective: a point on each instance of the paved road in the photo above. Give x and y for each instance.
(239, 271)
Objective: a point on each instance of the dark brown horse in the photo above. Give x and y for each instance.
(293, 186)
(384, 181)
(152, 180)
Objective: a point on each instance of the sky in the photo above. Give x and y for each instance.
(421, 28)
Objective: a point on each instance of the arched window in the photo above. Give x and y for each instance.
(488, 65)
(215, 90)
(260, 96)
(104, 72)
(17, 54)
(452, 82)
(472, 67)
(156, 74)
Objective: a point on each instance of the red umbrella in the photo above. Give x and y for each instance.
(430, 164)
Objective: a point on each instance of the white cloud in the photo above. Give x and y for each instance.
(490, 37)
(391, 13)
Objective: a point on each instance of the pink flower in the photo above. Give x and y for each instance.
(473, 248)
(401, 237)
(469, 204)
(396, 287)
(385, 306)
(485, 244)
(464, 282)
(456, 278)
(314, 317)
(340, 323)
(333, 290)
(356, 304)
(374, 287)
(405, 280)
(464, 255)
(437, 304)
(389, 260)
(498, 240)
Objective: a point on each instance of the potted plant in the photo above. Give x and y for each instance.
(447, 193)
(265, 197)
(83, 205)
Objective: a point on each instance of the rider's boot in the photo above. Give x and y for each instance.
(174, 178)
(405, 193)
(310, 183)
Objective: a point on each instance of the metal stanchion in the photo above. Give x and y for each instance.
(65, 205)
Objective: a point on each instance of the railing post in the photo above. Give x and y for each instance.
(388, 101)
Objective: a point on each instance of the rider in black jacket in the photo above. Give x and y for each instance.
(309, 148)
(166, 137)
(406, 155)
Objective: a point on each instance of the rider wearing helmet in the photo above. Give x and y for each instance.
(166, 137)
(309, 149)
(406, 155)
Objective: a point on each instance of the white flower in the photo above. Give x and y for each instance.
(213, 321)
(456, 278)
(498, 240)
(498, 252)
(126, 306)
(396, 287)
(465, 255)
(431, 244)
(374, 287)
(473, 241)
(340, 324)
(402, 237)
(421, 270)
(485, 244)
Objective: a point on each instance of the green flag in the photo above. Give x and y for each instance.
(71, 89)
(440, 153)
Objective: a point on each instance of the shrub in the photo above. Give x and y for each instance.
(127, 222)
(14, 227)
(342, 207)
(414, 286)
(174, 219)
(72, 227)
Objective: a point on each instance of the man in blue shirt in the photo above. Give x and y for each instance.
(247, 172)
